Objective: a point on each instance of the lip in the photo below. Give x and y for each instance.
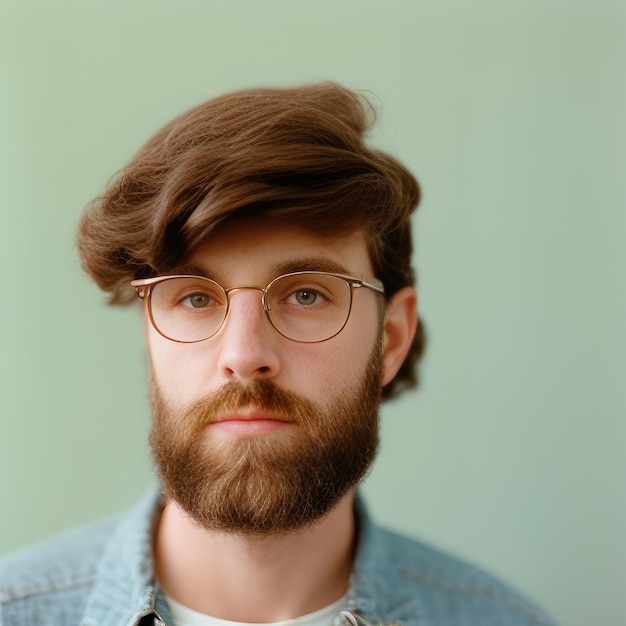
(250, 423)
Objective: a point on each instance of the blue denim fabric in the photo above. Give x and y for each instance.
(103, 575)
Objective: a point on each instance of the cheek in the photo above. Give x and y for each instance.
(341, 364)
(178, 370)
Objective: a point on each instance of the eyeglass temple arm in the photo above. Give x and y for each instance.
(371, 283)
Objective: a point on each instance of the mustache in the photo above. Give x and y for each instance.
(260, 394)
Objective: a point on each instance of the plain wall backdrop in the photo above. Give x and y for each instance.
(512, 116)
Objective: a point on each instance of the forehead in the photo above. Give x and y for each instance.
(265, 247)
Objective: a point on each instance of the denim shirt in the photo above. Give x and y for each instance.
(103, 575)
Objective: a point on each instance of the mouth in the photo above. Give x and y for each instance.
(250, 423)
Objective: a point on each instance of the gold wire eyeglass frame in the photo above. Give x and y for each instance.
(143, 288)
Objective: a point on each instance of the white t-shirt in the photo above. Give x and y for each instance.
(184, 616)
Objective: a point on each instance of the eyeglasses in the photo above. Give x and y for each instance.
(308, 307)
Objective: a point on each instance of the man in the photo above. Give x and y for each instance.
(271, 248)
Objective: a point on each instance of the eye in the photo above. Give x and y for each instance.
(306, 297)
(196, 300)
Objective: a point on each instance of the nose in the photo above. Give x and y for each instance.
(247, 342)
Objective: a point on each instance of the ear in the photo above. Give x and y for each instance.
(398, 331)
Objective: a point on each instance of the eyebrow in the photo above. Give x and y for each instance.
(309, 264)
(191, 269)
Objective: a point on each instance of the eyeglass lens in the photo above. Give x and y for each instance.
(306, 307)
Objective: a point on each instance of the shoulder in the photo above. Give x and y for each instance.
(50, 575)
(90, 575)
(417, 583)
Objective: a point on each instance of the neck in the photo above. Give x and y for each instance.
(260, 580)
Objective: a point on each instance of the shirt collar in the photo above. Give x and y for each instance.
(378, 591)
(126, 589)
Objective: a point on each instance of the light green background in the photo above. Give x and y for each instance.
(512, 116)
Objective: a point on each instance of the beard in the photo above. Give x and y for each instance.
(266, 485)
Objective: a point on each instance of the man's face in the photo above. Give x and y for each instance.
(253, 432)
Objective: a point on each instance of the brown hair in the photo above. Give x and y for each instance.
(297, 153)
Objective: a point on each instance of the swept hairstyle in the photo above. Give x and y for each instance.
(299, 153)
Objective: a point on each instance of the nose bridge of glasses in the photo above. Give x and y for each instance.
(263, 290)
